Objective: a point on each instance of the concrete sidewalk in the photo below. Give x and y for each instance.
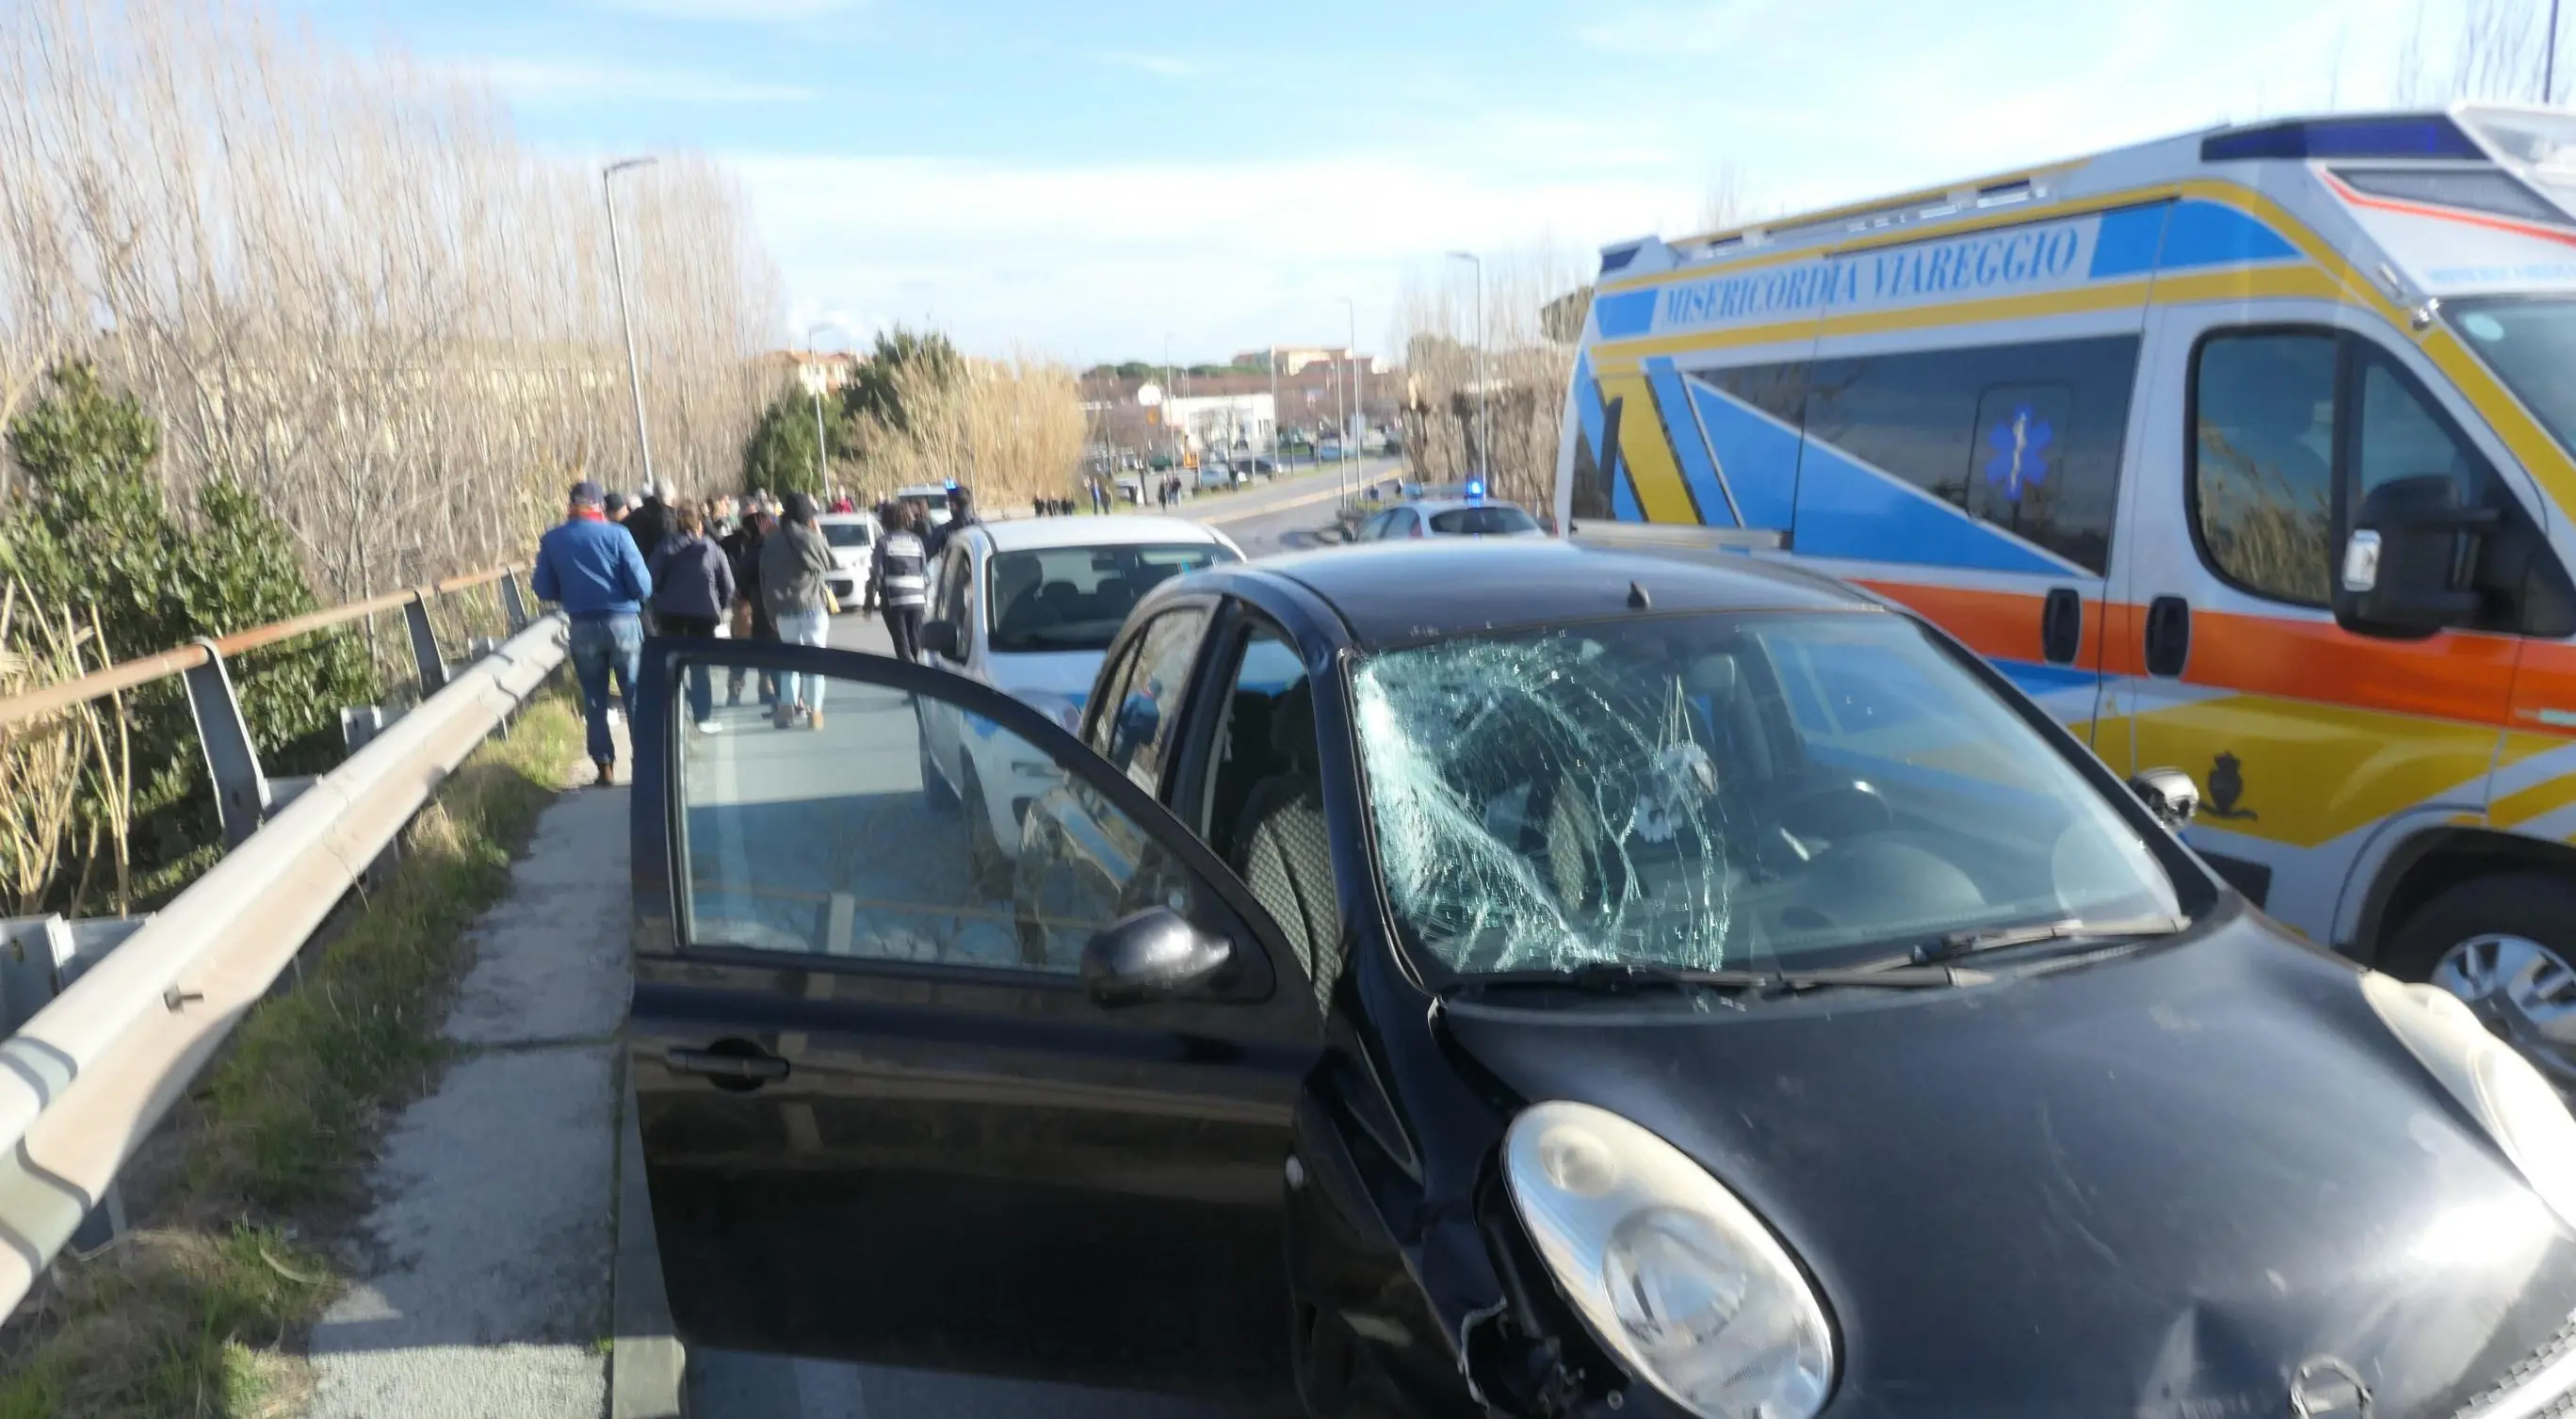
(487, 1290)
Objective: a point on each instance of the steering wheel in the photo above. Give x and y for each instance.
(1834, 813)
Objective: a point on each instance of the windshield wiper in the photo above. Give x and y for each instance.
(1977, 941)
(1612, 977)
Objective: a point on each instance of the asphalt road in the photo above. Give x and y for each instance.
(779, 862)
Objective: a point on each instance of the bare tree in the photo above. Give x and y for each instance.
(2496, 50)
(340, 279)
(1529, 360)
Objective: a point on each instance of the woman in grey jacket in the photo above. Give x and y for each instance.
(793, 560)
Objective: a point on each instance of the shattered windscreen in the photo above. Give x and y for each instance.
(1711, 791)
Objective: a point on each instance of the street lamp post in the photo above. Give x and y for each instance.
(822, 475)
(1484, 396)
(1351, 430)
(625, 321)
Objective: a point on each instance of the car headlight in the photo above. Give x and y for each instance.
(2499, 1087)
(1674, 1274)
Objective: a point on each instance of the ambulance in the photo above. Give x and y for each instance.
(2245, 452)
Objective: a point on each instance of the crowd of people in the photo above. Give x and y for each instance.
(623, 566)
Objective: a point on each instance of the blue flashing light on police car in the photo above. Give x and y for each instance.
(1475, 489)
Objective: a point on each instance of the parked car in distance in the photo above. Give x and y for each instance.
(853, 538)
(1469, 515)
(1028, 606)
(1222, 475)
(1500, 977)
(933, 498)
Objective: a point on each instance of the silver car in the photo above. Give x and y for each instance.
(1450, 517)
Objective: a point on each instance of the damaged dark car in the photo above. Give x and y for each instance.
(1527, 980)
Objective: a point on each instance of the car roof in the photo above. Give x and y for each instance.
(868, 518)
(1391, 593)
(1117, 529)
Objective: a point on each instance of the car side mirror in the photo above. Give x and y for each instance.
(2169, 794)
(1151, 955)
(2404, 563)
(940, 639)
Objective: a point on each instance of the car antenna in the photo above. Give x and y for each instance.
(1637, 598)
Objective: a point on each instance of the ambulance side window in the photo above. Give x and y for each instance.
(2292, 429)
(2262, 458)
(2026, 437)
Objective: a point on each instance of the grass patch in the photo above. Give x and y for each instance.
(202, 1313)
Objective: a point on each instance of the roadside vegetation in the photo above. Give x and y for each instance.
(200, 1313)
(916, 411)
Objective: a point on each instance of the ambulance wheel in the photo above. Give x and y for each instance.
(2502, 945)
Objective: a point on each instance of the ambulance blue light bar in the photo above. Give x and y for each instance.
(2429, 135)
(1475, 489)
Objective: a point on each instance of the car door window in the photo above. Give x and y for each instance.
(1264, 810)
(1141, 722)
(843, 849)
(2262, 456)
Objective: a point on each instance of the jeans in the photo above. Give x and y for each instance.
(803, 628)
(601, 645)
(903, 627)
(702, 685)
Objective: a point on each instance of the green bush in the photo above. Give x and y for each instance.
(96, 532)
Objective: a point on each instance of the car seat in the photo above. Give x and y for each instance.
(1286, 852)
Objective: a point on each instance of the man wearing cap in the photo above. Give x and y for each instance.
(589, 566)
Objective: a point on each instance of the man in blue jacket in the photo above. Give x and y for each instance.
(590, 567)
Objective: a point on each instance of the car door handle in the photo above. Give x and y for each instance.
(727, 1066)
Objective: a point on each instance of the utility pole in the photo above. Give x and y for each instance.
(2549, 59)
(625, 322)
(822, 477)
(1274, 411)
(1484, 396)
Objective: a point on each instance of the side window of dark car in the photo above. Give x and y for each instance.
(1135, 728)
(1264, 812)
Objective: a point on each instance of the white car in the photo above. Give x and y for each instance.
(1029, 607)
(1472, 516)
(933, 498)
(853, 538)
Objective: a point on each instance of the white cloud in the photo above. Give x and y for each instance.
(1099, 261)
(1160, 65)
(542, 82)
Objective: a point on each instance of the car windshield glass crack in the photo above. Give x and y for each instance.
(1721, 792)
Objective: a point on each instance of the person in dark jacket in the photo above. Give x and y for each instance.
(692, 588)
(961, 515)
(793, 560)
(650, 522)
(590, 567)
(750, 614)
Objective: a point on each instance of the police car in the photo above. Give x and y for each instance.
(1469, 513)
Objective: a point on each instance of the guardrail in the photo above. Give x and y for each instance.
(89, 1073)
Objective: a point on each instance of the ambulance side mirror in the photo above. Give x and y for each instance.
(2404, 568)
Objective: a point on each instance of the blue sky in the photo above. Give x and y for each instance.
(1081, 179)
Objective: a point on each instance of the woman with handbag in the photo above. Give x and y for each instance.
(793, 561)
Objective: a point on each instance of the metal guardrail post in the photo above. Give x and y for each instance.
(40, 956)
(514, 604)
(424, 643)
(241, 790)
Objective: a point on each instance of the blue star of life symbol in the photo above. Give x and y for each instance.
(2021, 452)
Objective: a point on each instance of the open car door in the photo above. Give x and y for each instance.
(897, 1110)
